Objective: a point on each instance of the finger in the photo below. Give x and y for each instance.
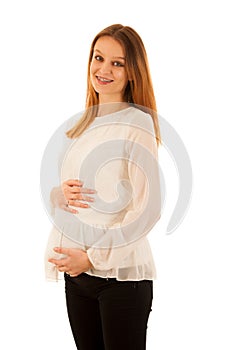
(58, 262)
(74, 203)
(87, 190)
(88, 199)
(61, 250)
(63, 268)
(77, 190)
(74, 189)
(68, 209)
(81, 197)
(75, 197)
(73, 182)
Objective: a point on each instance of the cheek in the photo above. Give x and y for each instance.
(92, 74)
(93, 67)
(121, 76)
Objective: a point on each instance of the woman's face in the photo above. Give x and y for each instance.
(107, 70)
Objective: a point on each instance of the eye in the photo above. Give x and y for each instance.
(99, 58)
(118, 64)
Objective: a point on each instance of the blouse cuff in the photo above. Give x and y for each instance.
(103, 259)
(94, 257)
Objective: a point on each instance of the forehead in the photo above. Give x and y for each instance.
(109, 46)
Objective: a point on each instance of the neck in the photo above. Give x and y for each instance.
(108, 108)
(111, 98)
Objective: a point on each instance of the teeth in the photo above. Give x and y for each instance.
(104, 80)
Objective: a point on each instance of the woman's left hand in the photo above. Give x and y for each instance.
(75, 262)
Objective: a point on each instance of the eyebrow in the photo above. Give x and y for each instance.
(118, 57)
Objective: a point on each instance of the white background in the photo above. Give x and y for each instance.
(44, 51)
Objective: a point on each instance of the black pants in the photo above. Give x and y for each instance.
(106, 314)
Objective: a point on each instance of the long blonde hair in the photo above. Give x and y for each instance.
(139, 89)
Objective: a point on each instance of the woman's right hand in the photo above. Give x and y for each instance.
(70, 194)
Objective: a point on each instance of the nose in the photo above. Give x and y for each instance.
(105, 68)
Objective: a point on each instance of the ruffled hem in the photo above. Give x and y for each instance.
(138, 266)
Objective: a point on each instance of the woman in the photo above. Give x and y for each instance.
(108, 264)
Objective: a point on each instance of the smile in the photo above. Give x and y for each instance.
(104, 80)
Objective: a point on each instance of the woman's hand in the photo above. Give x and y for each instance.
(70, 194)
(74, 264)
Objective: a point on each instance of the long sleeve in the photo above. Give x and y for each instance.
(143, 210)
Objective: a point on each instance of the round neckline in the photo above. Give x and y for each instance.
(110, 114)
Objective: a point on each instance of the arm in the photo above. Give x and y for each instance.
(144, 209)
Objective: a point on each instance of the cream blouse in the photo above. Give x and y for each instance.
(117, 156)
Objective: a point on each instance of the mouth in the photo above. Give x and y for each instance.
(103, 81)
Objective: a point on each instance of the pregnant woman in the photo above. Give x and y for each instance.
(99, 243)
